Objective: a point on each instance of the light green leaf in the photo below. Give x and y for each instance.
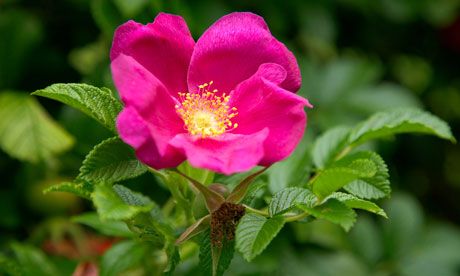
(111, 206)
(111, 161)
(374, 187)
(206, 255)
(82, 189)
(9, 266)
(33, 261)
(341, 173)
(107, 227)
(203, 176)
(288, 198)
(333, 211)
(98, 103)
(396, 121)
(329, 145)
(123, 256)
(27, 132)
(357, 203)
(255, 232)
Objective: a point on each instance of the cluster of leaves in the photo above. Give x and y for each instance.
(344, 178)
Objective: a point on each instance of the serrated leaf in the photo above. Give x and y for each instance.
(206, 255)
(33, 261)
(252, 192)
(111, 206)
(329, 145)
(82, 189)
(397, 121)
(111, 161)
(27, 132)
(357, 203)
(255, 232)
(333, 211)
(341, 173)
(106, 227)
(98, 103)
(123, 256)
(288, 198)
(374, 187)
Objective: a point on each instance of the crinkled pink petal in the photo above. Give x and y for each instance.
(163, 47)
(149, 119)
(232, 50)
(228, 153)
(263, 104)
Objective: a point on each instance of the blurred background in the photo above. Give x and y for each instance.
(356, 56)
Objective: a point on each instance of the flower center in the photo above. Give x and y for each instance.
(206, 114)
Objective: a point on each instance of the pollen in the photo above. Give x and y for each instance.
(205, 113)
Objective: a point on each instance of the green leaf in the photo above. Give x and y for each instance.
(397, 121)
(111, 206)
(27, 132)
(82, 189)
(111, 161)
(33, 261)
(106, 227)
(288, 198)
(98, 103)
(357, 203)
(342, 172)
(377, 186)
(333, 211)
(327, 147)
(206, 259)
(123, 256)
(9, 266)
(255, 232)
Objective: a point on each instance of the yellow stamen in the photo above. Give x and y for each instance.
(206, 114)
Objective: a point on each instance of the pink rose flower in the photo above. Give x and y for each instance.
(225, 103)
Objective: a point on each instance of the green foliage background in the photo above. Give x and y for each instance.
(357, 57)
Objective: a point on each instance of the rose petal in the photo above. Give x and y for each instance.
(163, 47)
(263, 104)
(149, 119)
(151, 146)
(228, 153)
(232, 50)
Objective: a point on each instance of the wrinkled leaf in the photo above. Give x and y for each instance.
(333, 211)
(98, 103)
(111, 161)
(288, 198)
(255, 232)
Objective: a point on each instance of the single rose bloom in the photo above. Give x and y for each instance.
(225, 103)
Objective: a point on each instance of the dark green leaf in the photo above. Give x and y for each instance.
(333, 211)
(255, 232)
(123, 256)
(111, 161)
(206, 251)
(288, 198)
(33, 261)
(106, 227)
(27, 132)
(98, 103)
